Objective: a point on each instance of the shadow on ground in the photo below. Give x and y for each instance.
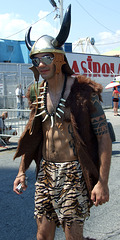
(17, 220)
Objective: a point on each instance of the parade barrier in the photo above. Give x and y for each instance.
(14, 123)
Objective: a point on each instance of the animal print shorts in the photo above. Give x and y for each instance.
(61, 193)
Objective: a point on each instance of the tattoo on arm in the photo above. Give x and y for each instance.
(98, 118)
(99, 125)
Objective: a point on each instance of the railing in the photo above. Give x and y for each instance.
(17, 124)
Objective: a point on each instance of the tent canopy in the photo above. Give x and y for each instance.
(113, 52)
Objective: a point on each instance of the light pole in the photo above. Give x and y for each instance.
(61, 11)
(53, 3)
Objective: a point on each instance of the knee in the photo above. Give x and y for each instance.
(41, 236)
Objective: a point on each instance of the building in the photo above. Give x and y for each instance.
(15, 63)
(14, 70)
(12, 51)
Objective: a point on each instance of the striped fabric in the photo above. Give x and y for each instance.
(61, 193)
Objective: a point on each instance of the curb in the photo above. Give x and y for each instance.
(10, 147)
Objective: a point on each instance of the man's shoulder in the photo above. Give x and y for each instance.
(82, 79)
(84, 84)
(32, 91)
(17, 91)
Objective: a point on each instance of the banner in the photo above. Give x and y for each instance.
(100, 68)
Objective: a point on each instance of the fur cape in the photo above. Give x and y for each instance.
(81, 107)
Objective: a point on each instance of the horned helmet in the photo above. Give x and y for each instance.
(52, 45)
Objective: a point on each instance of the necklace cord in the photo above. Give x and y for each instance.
(62, 94)
(61, 103)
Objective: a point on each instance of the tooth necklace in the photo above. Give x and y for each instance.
(58, 110)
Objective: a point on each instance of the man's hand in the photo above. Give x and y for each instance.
(20, 178)
(100, 194)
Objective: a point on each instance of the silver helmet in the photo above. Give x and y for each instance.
(53, 45)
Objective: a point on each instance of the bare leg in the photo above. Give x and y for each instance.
(45, 229)
(115, 108)
(75, 232)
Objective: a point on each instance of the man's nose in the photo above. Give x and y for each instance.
(41, 64)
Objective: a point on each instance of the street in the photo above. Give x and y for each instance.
(17, 221)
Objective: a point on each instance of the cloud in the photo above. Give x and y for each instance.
(43, 27)
(12, 26)
(108, 41)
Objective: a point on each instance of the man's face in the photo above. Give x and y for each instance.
(44, 64)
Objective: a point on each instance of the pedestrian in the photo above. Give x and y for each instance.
(22, 97)
(4, 130)
(67, 136)
(116, 95)
(18, 100)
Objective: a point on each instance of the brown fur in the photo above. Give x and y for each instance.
(85, 140)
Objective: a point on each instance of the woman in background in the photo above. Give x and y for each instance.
(115, 95)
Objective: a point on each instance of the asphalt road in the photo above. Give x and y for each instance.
(16, 212)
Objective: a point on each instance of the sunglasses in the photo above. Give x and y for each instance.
(45, 60)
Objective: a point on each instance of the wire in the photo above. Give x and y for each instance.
(30, 25)
(98, 44)
(94, 18)
(106, 7)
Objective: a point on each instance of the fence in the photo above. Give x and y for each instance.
(17, 124)
(11, 75)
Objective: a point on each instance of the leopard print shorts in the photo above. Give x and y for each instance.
(61, 194)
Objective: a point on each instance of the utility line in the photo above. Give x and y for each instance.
(106, 7)
(94, 18)
(30, 25)
(96, 44)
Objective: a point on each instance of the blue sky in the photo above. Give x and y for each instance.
(96, 18)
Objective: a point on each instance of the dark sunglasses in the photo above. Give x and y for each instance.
(45, 60)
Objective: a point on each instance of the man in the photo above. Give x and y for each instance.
(67, 136)
(20, 100)
(6, 130)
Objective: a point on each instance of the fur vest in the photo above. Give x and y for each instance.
(81, 107)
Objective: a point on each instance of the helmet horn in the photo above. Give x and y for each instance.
(27, 39)
(64, 31)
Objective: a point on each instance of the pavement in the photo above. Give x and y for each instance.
(13, 142)
(16, 212)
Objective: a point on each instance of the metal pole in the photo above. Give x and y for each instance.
(61, 11)
(3, 80)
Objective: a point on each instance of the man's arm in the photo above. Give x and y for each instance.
(20, 178)
(100, 192)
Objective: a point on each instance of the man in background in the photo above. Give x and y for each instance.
(4, 129)
(20, 100)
